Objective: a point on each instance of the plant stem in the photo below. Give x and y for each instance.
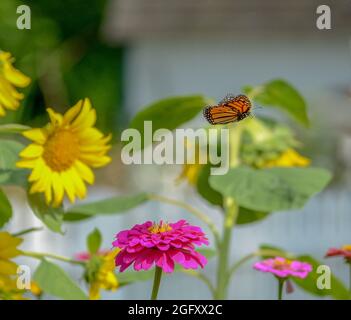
(232, 211)
(280, 288)
(190, 209)
(222, 271)
(25, 231)
(350, 279)
(157, 281)
(40, 256)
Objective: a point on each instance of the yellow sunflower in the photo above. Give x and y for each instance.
(63, 152)
(8, 269)
(10, 78)
(104, 277)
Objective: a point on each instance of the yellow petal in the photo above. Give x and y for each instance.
(8, 267)
(84, 171)
(86, 118)
(55, 118)
(71, 114)
(15, 76)
(36, 135)
(68, 185)
(32, 151)
(94, 160)
(58, 189)
(27, 164)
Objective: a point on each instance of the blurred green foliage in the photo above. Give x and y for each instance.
(66, 57)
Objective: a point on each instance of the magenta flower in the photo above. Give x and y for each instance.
(344, 251)
(284, 268)
(160, 244)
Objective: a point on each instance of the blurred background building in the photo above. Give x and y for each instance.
(125, 54)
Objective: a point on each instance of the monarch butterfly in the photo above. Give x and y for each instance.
(230, 109)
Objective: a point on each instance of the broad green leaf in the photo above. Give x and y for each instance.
(54, 281)
(13, 128)
(168, 113)
(74, 217)
(337, 289)
(214, 197)
(51, 217)
(204, 188)
(272, 189)
(94, 240)
(9, 150)
(5, 209)
(278, 93)
(249, 216)
(107, 206)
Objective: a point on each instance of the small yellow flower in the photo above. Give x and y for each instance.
(63, 152)
(289, 158)
(35, 289)
(10, 78)
(105, 277)
(8, 269)
(190, 172)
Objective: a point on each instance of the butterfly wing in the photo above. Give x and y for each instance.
(241, 103)
(220, 114)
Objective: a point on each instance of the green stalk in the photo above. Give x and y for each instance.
(40, 256)
(232, 211)
(157, 281)
(280, 288)
(350, 279)
(223, 270)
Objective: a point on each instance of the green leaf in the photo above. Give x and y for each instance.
(5, 209)
(204, 188)
(214, 197)
(13, 128)
(272, 189)
(14, 177)
(337, 289)
(107, 206)
(9, 150)
(278, 93)
(94, 241)
(247, 216)
(51, 217)
(168, 113)
(54, 281)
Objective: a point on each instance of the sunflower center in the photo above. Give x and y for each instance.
(160, 227)
(61, 150)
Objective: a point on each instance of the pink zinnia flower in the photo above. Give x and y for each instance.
(283, 268)
(161, 244)
(344, 251)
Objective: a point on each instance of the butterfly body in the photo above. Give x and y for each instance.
(230, 109)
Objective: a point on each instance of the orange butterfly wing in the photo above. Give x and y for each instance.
(230, 109)
(240, 103)
(221, 114)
